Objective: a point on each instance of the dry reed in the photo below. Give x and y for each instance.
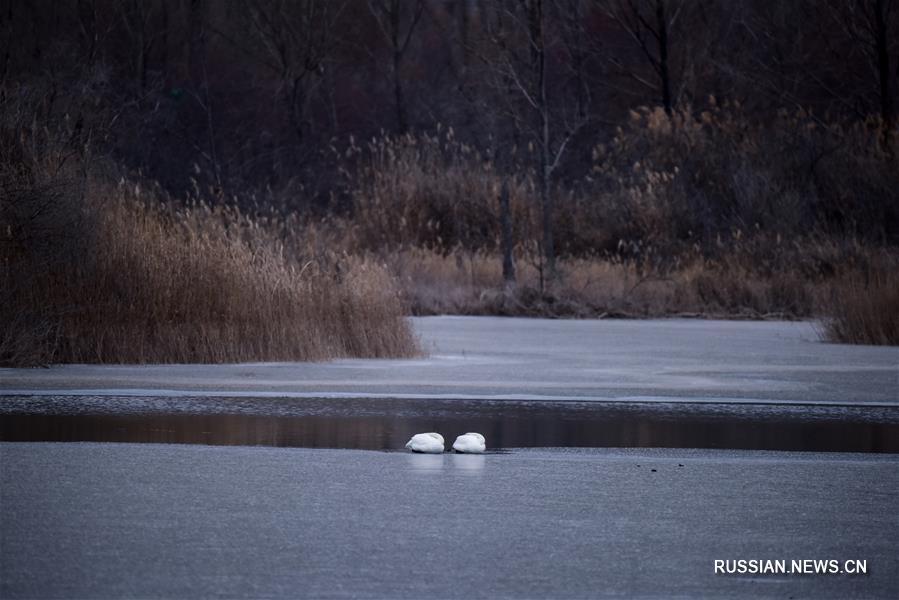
(471, 283)
(705, 214)
(865, 310)
(119, 278)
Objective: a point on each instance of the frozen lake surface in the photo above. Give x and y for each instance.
(242, 502)
(522, 382)
(385, 423)
(492, 358)
(146, 520)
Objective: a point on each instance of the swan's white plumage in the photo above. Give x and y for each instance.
(470, 443)
(428, 443)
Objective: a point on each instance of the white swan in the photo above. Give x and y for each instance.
(427, 443)
(470, 443)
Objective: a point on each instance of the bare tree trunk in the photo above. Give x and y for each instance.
(195, 38)
(294, 97)
(505, 218)
(662, 23)
(141, 59)
(388, 14)
(544, 155)
(137, 32)
(87, 21)
(546, 200)
(464, 26)
(881, 43)
(652, 34)
(575, 29)
(164, 58)
(402, 124)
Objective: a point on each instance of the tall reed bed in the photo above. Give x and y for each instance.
(111, 275)
(472, 283)
(864, 308)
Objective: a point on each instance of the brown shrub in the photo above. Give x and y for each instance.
(665, 188)
(704, 213)
(700, 177)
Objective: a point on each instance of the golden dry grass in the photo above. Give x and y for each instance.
(697, 215)
(471, 283)
(703, 214)
(118, 278)
(865, 310)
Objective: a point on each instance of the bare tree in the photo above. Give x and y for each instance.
(835, 57)
(514, 47)
(649, 23)
(397, 28)
(870, 25)
(297, 39)
(137, 20)
(580, 47)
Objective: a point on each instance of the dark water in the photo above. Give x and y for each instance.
(385, 424)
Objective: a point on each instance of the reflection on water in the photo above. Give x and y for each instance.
(469, 464)
(387, 424)
(472, 463)
(425, 462)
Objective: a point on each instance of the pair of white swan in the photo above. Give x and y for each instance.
(432, 443)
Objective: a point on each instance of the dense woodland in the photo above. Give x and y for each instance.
(631, 157)
(249, 97)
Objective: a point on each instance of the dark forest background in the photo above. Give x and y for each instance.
(252, 94)
(584, 157)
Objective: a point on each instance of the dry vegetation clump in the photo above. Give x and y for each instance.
(864, 308)
(705, 179)
(97, 272)
(694, 182)
(429, 191)
(472, 283)
(704, 213)
(701, 214)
